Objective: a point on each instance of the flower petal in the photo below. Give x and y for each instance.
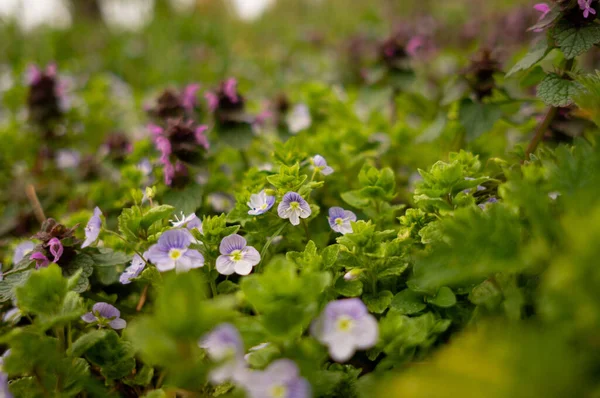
(224, 265)
(231, 243)
(89, 317)
(251, 255)
(118, 323)
(243, 267)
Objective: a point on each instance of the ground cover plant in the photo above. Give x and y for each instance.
(399, 201)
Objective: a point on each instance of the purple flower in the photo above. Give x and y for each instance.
(339, 220)
(172, 252)
(12, 316)
(224, 345)
(92, 229)
(586, 6)
(133, 271)
(56, 249)
(280, 380)
(320, 165)
(487, 203)
(344, 326)
(67, 159)
(21, 250)
(236, 256)
(104, 315)
(190, 222)
(41, 260)
(260, 203)
(294, 207)
(188, 97)
(4, 390)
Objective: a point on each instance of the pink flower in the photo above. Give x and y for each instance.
(586, 6)
(56, 249)
(212, 99)
(544, 9)
(230, 89)
(188, 97)
(40, 259)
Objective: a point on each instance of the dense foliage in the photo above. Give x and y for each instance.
(199, 211)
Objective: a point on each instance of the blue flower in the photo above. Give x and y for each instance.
(320, 165)
(92, 229)
(260, 203)
(344, 326)
(293, 207)
(236, 256)
(339, 220)
(104, 315)
(21, 250)
(280, 380)
(133, 271)
(4, 391)
(224, 345)
(172, 252)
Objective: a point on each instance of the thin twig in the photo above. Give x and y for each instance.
(541, 130)
(143, 297)
(35, 203)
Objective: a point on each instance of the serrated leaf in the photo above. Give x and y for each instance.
(83, 262)
(355, 199)
(44, 291)
(556, 91)
(575, 40)
(10, 283)
(85, 342)
(535, 55)
(478, 118)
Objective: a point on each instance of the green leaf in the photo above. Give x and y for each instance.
(408, 302)
(85, 342)
(150, 275)
(444, 298)
(156, 394)
(112, 354)
(378, 302)
(129, 223)
(106, 257)
(536, 53)
(478, 118)
(348, 288)
(83, 262)
(557, 91)
(330, 255)
(188, 200)
(10, 283)
(156, 213)
(355, 199)
(575, 40)
(44, 292)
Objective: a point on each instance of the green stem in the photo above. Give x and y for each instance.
(305, 225)
(108, 231)
(213, 288)
(268, 243)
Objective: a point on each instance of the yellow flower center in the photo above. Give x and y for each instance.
(263, 206)
(174, 254)
(278, 391)
(294, 205)
(345, 323)
(236, 255)
(339, 221)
